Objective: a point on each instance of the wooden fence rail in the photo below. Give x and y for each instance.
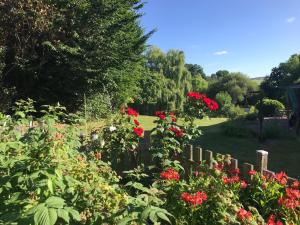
(194, 155)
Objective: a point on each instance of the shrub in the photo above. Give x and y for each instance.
(270, 107)
(98, 106)
(235, 112)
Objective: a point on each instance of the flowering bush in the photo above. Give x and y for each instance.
(219, 195)
(120, 139)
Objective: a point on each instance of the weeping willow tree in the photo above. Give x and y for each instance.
(167, 81)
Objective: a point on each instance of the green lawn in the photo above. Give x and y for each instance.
(284, 153)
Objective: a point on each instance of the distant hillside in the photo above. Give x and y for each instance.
(258, 80)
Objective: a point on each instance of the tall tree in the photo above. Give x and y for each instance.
(55, 50)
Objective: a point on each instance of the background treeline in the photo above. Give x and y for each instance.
(62, 50)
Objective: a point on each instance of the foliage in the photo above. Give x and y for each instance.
(98, 106)
(58, 50)
(270, 107)
(287, 73)
(237, 85)
(218, 195)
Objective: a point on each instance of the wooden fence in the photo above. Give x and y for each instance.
(194, 155)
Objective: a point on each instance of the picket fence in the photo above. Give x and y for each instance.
(192, 156)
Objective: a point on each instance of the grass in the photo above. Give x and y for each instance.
(284, 152)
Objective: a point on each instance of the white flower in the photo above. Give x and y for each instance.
(112, 128)
(102, 143)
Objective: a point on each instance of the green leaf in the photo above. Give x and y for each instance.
(41, 216)
(75, 214)
(55, 202)
(62, 213)
(163, 217)
(145, 213)
(125, 221)
(50, 186)
(52, 216)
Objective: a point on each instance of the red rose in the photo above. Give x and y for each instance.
(136, 122)
(132, 112)
(138, 131)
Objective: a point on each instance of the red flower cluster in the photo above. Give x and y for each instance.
(272, 221)
(132, 112)
(231, 180)
(171, 114)
(170, 174)
(251, 172)
(136, 122)
(176, 131)
(281, 178)
(243, 214)
(211, 104)
(194, 199)
(291, 200)
(219, 166)
(194, 95)
(295, 184)
(160, 114)
(138, 131)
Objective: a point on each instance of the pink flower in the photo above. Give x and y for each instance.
(243, 184)
(251, 172)
(243, 214)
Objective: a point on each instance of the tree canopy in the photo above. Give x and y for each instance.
(56, 50)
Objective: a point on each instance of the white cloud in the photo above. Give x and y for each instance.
(224, 52)
(290, 19)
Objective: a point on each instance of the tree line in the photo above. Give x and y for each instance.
(62, 50)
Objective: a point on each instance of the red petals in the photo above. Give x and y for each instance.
(132, 112)
(138, 131)
(281, 178)
(272, 221)
(176, 131)
(209, 103)
(194, 199)
(136, 122)
(243, 214)
(251, 172)
(170, 174)
(243, 184)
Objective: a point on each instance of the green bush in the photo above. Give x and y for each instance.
(270, 107)
(98, 106)
(252, 114)
(235, 112)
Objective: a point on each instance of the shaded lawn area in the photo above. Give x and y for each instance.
(284, 152)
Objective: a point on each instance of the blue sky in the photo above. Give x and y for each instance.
(250, 36)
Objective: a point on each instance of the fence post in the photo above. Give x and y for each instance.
(246, 168)
(208, 157)
(234, 164)
(261, 161)
(188, 160)
(197, 155)
(144, 154)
